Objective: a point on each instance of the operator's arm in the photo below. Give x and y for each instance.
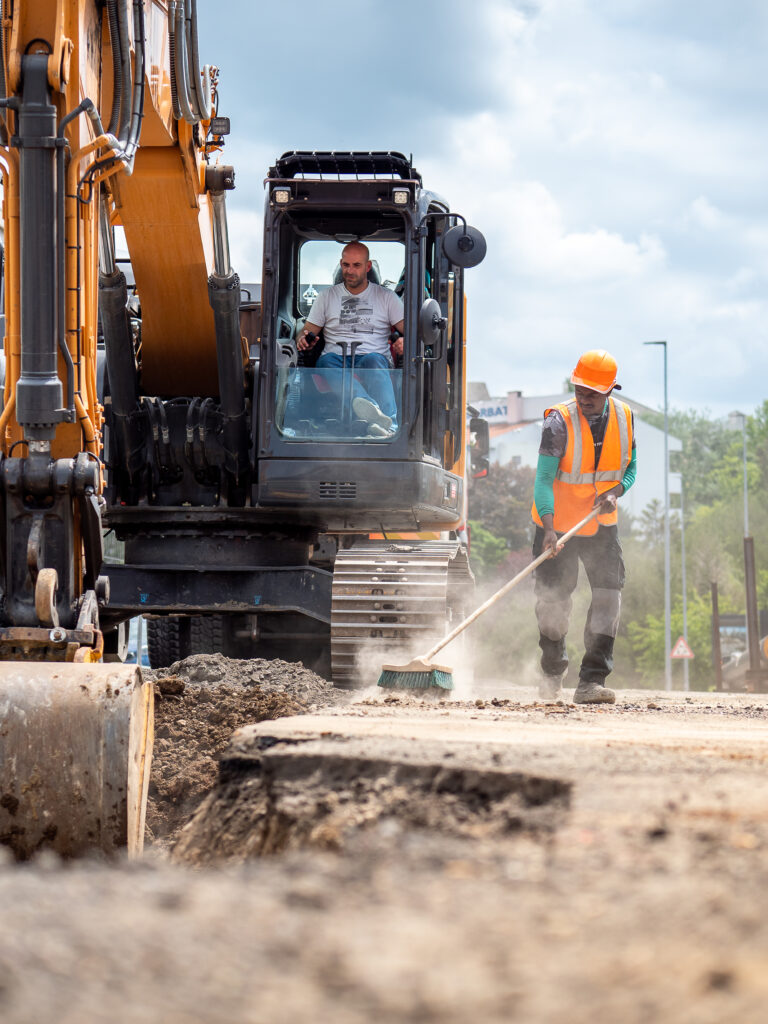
(302, 344)
(314, 323)
(396, 315)
(397, 346)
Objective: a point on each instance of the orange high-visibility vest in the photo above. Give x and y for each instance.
(578, 480)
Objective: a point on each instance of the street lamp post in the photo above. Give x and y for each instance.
(686, 669)
(746, 512)
(667, 599)
(756, 677)
(747, 542)
(744, 462)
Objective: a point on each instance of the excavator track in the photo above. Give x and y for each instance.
(392, 599)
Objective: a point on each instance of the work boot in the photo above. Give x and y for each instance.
(550, 687)
(593, 693)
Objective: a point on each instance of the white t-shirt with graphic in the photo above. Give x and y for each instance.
(367, 317)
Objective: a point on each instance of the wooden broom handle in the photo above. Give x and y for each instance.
(508, 586)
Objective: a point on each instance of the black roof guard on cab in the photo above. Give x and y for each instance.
(302, 163)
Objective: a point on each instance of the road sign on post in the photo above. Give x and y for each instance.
(681, 649)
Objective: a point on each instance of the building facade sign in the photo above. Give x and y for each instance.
(495, 410)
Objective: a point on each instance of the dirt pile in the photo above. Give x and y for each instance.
(199, 703)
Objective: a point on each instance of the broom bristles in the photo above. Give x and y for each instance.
(418, 674)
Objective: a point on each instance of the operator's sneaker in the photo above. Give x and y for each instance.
(550, 687)
(593, 693)
(369, 412)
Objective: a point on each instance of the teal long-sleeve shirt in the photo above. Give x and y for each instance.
(546, 470)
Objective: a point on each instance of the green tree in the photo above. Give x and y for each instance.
(651, 523)
(646, 638)
(501, 502)
(486, 551)
(757, 446)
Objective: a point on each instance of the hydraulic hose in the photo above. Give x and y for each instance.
(61, 283)
(172, 60)
(117, 67)
(131, 112)
(137, 110)
(176, 19)
(201, 86)
(3, 133)
(2, 50)
(192, 97)
(125, 65)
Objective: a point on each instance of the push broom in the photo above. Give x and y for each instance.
(421, 673)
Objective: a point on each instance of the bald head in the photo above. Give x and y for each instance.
(356, 249)
(355, 264)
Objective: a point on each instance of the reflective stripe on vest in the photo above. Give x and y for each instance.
(574, 428)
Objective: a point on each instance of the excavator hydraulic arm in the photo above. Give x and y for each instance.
(105, 122)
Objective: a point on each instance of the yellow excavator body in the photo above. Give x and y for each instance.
(91, 137)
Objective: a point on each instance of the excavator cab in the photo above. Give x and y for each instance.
(317, 458)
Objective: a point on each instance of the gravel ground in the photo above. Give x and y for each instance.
(640, 901)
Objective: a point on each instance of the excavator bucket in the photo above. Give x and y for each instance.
(75, 755)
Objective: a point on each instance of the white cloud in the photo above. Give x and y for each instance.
(704, 214)
(535, 236)
(526, 227)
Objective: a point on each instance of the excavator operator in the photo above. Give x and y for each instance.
(357, 317)
(586, 460)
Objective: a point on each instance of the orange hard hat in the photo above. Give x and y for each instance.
(596, 370)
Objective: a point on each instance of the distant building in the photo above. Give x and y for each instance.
(515, 422)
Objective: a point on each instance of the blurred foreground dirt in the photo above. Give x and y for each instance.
(503, 860)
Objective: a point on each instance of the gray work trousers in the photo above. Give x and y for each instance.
(555, 581)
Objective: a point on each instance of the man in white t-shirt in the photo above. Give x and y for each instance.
(357, 310)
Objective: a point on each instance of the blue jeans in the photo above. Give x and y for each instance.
(379, 385)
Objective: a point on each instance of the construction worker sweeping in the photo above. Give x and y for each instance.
(586, 460)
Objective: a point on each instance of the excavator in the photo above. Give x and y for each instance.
(316, 530)
(157, 398)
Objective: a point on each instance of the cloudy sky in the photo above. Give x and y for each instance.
(613, 152)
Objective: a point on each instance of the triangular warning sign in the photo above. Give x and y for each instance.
(681, 649)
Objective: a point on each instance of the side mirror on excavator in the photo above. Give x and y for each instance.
(464, 246)
(431, 327)
(480, 446)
